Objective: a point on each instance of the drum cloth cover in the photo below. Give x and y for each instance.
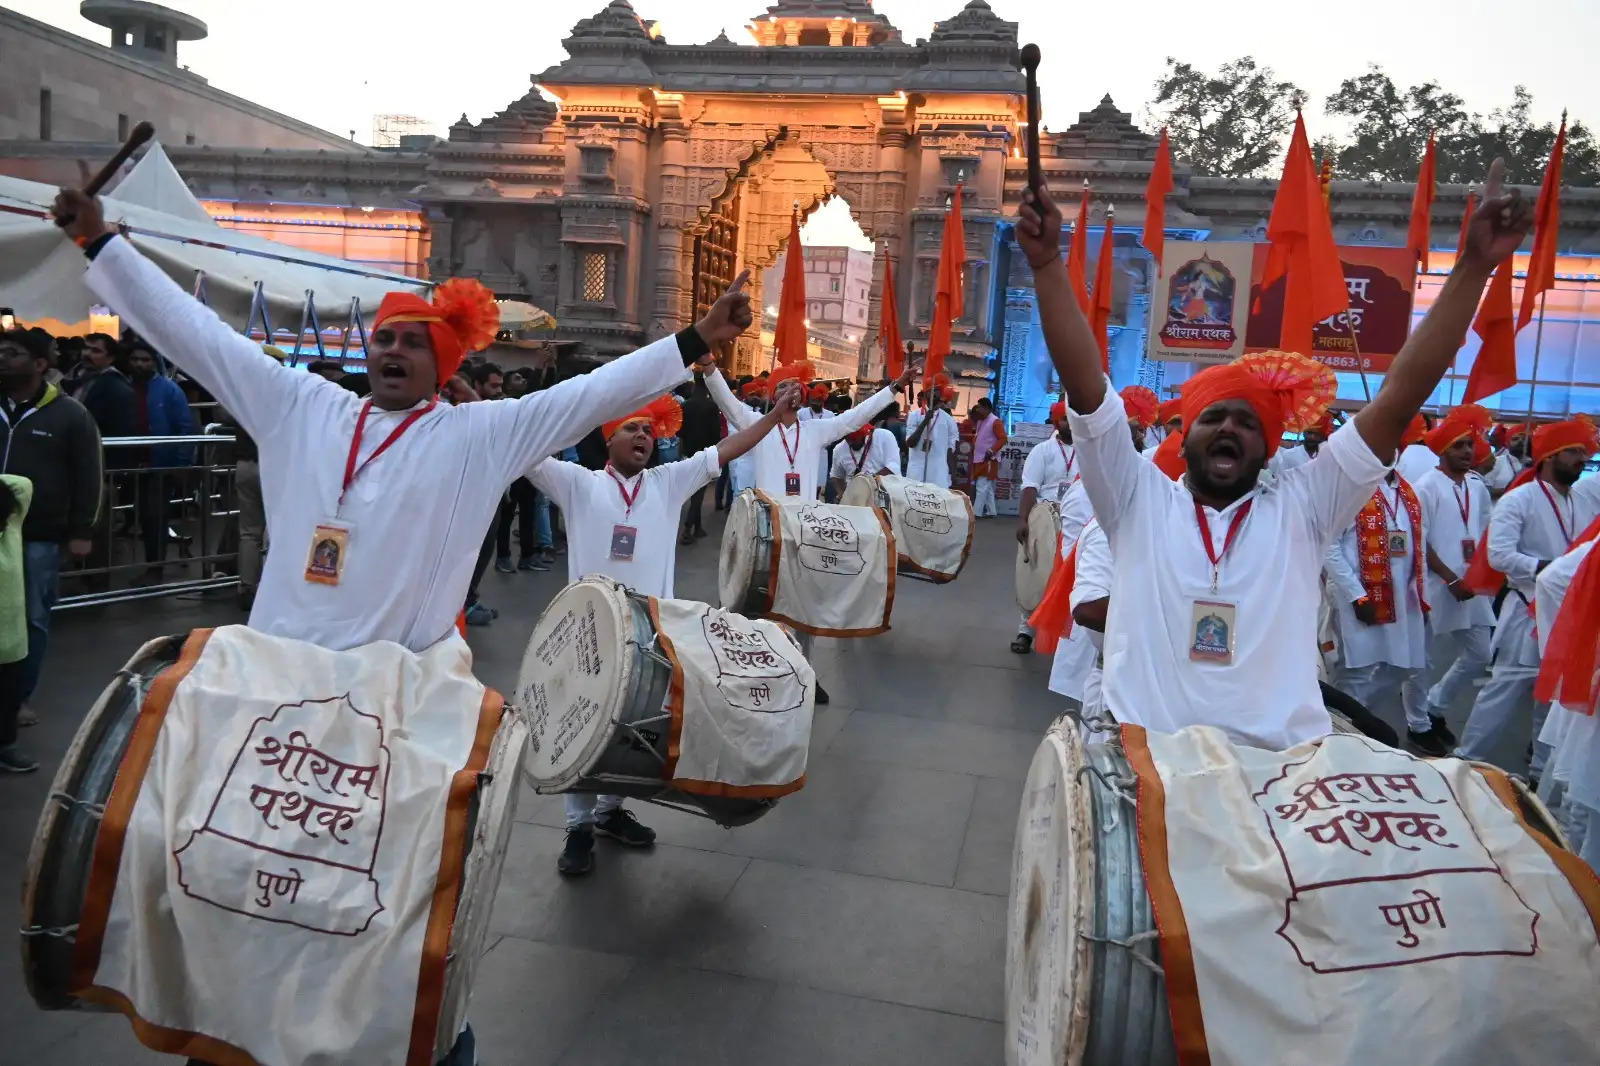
(741, 702)
(932, 526)
(835, 569)
(1358, 905)
(295, 827)
(1037, 559)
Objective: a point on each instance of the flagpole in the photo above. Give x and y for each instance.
(1361, 364)
(1538, 340)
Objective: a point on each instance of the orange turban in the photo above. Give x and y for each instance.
(858, 437)
(946, 387)
(817, 393)
(749, 389)
(1416, 431)
(1141, 404)
(1578, 432)
(665, 415)
(1058, 411)
(1169, 410)
(802, 372)
(1468, 420)
(1287, 391)
(462, 318)
(1169, 456)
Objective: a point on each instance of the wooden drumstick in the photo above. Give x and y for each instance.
(141, 133)
(1030, 68)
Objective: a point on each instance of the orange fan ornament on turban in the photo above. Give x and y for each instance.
(1468, 420)
(817, 393)
(1169, 410)
(802, 372)
(664, 413)
(461, 318)
(1287, 391)
(1142, 404)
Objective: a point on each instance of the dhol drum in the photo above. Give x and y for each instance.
(932, 526)
(60, 860)
(862, 491)
(1084, 979)
(825, 570)
(596, 679)
(1037, 558)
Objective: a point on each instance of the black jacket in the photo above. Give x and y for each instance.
(109, 398)
(54, 444)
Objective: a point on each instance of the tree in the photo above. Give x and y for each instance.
(1510, 132)
(1233, 122)
(1390, 128)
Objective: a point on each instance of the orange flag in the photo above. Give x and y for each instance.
(1466, 224)
(1546, 231)
(1422, 208)
(789, 335)
(1302, 249)
(1078, 254)
(1155, 202)
(1495, 368)
(1100, 305)
(949, 303)
(894, 350)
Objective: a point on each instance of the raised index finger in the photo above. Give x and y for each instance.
(739, 282)
(1497, 177)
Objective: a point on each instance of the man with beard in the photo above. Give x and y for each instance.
(1510, 457)
(620, 523)
(1049, 470)
(1213, 608)
(931, 436)
(1533, 524)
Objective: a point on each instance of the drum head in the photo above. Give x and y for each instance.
(1048, 976)
(574, 675)
(862, 491)
(1038, 562)
(737, 560)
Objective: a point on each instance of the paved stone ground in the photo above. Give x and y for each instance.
(860, 922)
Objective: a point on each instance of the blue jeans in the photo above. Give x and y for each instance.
(541, 521)
(41, 579)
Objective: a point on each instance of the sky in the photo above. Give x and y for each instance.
(368, 57)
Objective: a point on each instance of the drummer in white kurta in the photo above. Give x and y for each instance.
(1374, 582)
(1213, 608)
(1048, 472)
(816, 409)
(1455, 514)
(396, 489)
(931, 436)
(870, 450)
(1532, 524)
(621, 523)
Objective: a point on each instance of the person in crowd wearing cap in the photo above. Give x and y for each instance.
(818, 407)
(1217, 625)
(1142, 408)
(869, 450)
(786, 460)
(1311, 442)
(931, 436)
(1169, 420)
(1050, 469)
(1510, 442)
(1534, 523)
(1374, 571)
(1416, 458)
(621, 523)
(988, 437)
(1455, 515)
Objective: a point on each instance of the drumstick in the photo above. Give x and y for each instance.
(1030, 68)
(141, 133)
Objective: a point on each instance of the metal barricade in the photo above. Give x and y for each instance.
(162, 530)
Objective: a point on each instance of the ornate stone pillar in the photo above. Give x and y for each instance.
(673, 243)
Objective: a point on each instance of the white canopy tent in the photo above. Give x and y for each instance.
(41, 272)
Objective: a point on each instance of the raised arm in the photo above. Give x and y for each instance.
(1067, 334)
(736, 444)
(739, 415)
(1496, 229)
(833, 429)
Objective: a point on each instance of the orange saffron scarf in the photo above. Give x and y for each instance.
(1372, 545)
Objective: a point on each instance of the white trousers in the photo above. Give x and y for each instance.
(983, 505)
(586, 808)
(1505, 700)
(1471, 648)
(1377, 686)
(1023, 628)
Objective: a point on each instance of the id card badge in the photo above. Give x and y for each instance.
(1468, 549)
(1211, 636)
(791, 484)
(1399, 543)
(623, 539)
(330, 546)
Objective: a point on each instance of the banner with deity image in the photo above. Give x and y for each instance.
(1201, 303)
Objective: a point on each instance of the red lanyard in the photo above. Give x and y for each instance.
(351, 470)
(861, 460)
(783, 436)
(1205, 535)
(622, 490)
(1566, 534)
(1463, 503)
(1065, 458)
(1393, 511)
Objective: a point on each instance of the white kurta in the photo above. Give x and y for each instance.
(1091, 581)
(806, 414)
(1506, 468)
(879, 454)
(1532, 524)
(929, 459)
(1268, 695)
(592, 503)
(1416, 460)
(417, 515)
(1403, 642)
(1444, 503)
(807, 440)
(1075, 655)
(1050, 469)
(1287, 459)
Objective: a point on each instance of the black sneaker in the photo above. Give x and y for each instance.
(620, 825)
(1442, 729)
(577, 858)
(502, 565)
(822, 695)
(1430, 743)
(544, 560)
(527, 563)
(13, 761)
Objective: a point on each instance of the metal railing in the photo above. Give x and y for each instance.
(162, 530)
